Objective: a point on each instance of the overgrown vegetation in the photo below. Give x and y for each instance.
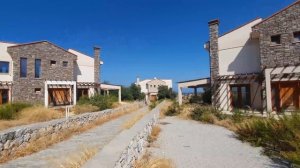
(165, 93)
(131, 93)
(153, 104)
(174, 109)
(83, 108)
(147, 161)
(154, 134)
(11, 110)
(101, 101)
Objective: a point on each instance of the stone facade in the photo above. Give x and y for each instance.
(24, 88)
(97, 64)
(214, 57)
(284, 23)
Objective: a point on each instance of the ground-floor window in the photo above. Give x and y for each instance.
(4, 96)
(240, 96)
(59, 96)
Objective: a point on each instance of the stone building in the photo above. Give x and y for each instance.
(257, 65)
(42, 72)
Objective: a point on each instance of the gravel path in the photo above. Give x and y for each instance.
(190, 144)
(58, 153)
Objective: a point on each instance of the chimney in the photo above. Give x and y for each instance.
(138, 80)
(214, 59)
(97, 64)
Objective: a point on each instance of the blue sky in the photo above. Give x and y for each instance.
(146, 38)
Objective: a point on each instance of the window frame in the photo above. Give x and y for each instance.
(8, 68)
(65, 64)
(35, 68)
(21, 69)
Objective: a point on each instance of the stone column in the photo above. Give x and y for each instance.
(120, 96)
(214, 58)
(97, 78)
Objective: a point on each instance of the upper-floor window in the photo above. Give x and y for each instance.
(52, 63)
(65, 63)
(4, 67)
(37, 68)
(276, 39)
(297, 36)
(23, 67)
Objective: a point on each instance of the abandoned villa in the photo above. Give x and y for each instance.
(255, 66)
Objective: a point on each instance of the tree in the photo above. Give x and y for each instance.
(126, 94)
(136, 92)
(165, 93)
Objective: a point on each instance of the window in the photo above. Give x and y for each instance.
(37, 90)
(275, 40)
(52, 63)
(240, 96)
(23, 67)
(4, 67)
(65, 63)
(37, 68)
(297, 36)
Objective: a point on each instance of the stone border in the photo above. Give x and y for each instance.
(16, 138)
(136, 146)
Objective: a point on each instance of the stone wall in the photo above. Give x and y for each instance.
(24, 88)
(136, 147)
(284, 23)
(16, 138)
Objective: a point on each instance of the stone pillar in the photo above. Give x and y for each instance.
(214, 58)
(97, 67)
(179, 95)
(268, 90)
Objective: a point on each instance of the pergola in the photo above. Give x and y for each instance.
(107, 87)
(196, 83)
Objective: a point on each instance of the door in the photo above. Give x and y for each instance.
(289, 95)
(59, 96)
(240, 96)
(3, 96)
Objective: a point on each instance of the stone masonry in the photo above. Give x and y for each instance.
(24, 88)
(214, 57)
(284, 23)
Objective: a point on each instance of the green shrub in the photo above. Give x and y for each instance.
(198, 112)
(100, 101)
(237, 116)
(11, 111)
(196, 99)
(173, 109)
(152, 105)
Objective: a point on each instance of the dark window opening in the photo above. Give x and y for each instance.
(65, 63)
(37, 90)
(240, 96)
(37, 69)
(23, 67)
(52, 63)
(4, 67)
(276, 39)
(297, 36)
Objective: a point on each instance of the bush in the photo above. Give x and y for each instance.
(173, 109)
(196, 99)
(152, 105)
(207, 111)
(237, 116)
(10, 111)
(100, 101)
(282, 134)
(165, 93)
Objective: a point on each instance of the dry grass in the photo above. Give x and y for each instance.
(154, 134)
(149, 162)
(48, 140)
(84, 108)
(31, 115)
(78, 159)
(164, 109)
(128, 124)
(185, 112)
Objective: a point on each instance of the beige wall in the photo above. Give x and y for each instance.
(238, 53)
(4, 56)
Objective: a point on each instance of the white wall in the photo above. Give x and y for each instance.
(85, 69)
(4, 56)
(238, 53)
(143, 84)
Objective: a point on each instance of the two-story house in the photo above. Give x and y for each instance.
(150, 87)
(255, 66)
(42, 72)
